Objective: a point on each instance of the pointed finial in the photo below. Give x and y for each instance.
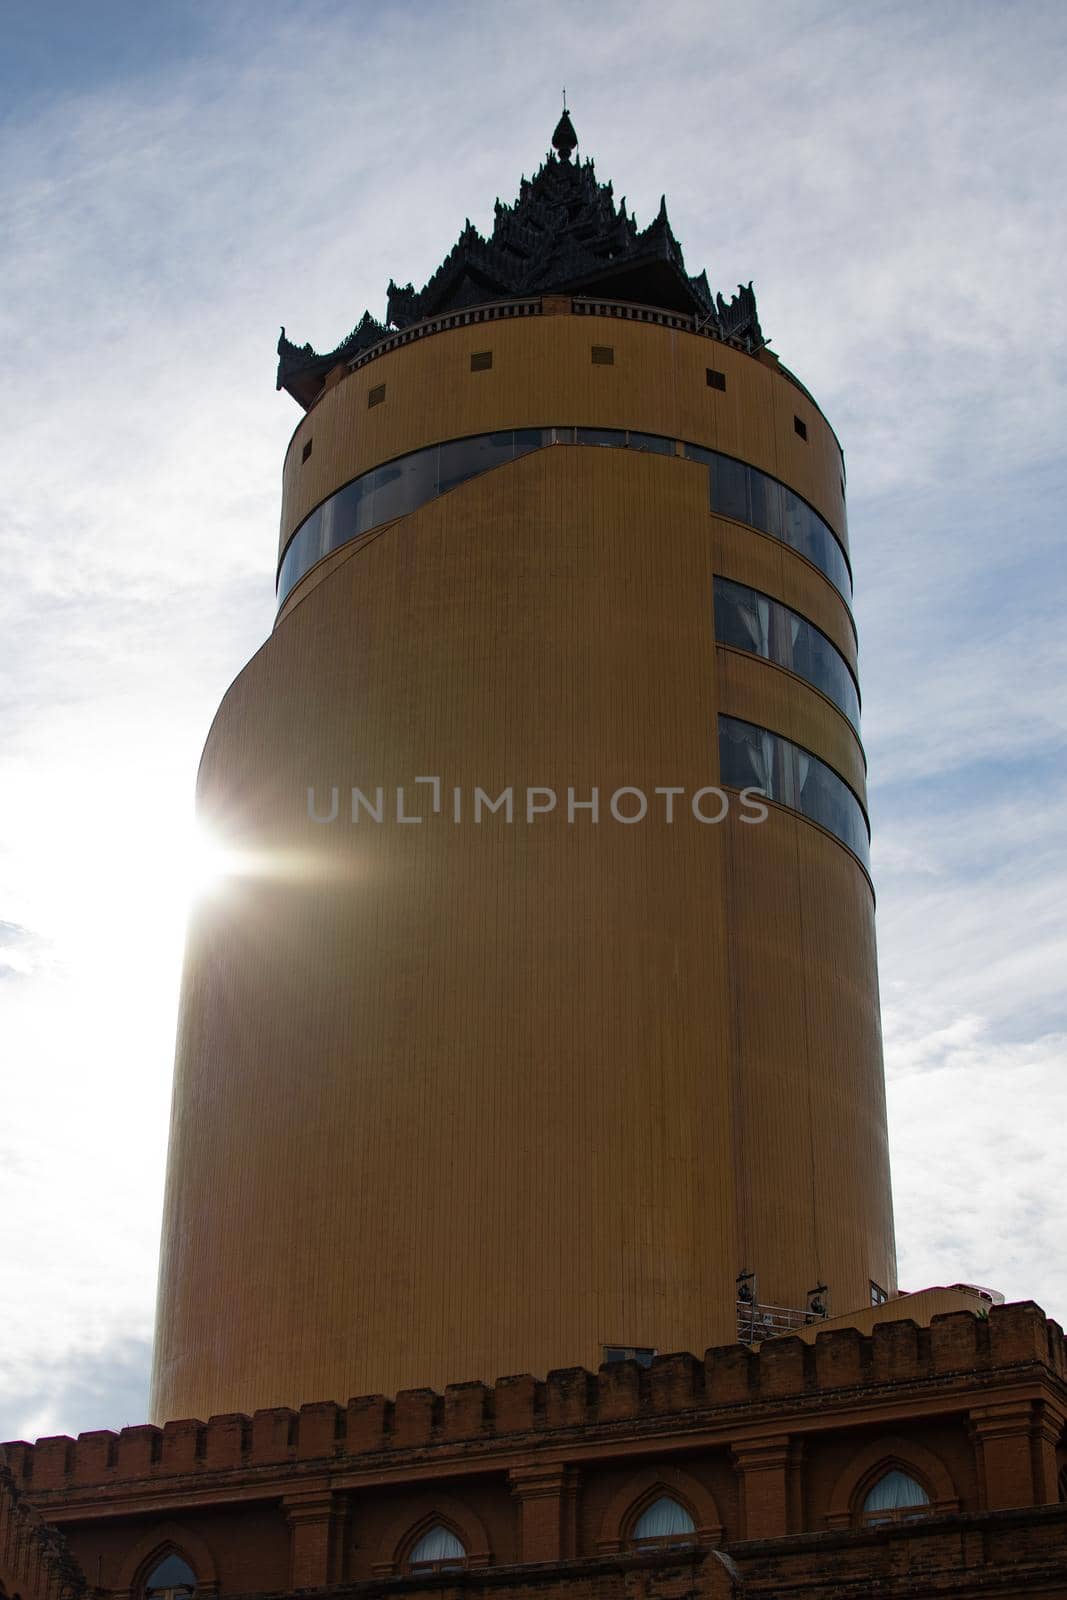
(565, 140)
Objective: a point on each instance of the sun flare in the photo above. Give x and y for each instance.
(211, 864)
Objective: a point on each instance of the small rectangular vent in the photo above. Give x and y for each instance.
(376, 396)
(716, 379)
(481, 361)
(603, 355)
(306, 450)
(800, 427)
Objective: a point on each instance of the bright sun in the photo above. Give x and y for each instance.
(209, 864)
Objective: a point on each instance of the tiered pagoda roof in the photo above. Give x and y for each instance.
(563, 235)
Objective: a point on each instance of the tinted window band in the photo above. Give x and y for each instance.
(650, 441)
(752, 757)
(747, 495)
(395, 489)
(749, 620)
(401, 486)
(615, 437)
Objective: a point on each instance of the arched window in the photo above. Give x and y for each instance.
(170, 1579)
(437, 1548)
(663, 1520)
(896, 1497)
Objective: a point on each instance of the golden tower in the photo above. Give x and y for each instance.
(522, 1037)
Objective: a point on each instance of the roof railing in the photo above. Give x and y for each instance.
(495, 310)
(756, 1322)
(491, 312)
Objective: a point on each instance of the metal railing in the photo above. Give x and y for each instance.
(631, 311)
(498, 310)
(493, 312)
(756, 1322)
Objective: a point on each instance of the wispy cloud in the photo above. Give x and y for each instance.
(21, 951)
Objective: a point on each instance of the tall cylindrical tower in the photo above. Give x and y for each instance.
(515, 1041)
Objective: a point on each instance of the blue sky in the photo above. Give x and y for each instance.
(179, 181)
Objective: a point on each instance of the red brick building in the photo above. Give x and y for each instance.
(538, 1487)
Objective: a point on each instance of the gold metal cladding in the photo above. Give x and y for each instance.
(456, 1101)
(542, 376)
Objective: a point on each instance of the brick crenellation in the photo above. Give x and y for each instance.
(840, 1359)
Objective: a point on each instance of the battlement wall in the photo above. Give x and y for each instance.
(782, 1372)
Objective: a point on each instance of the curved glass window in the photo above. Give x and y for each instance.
(613, 437)
(650, 441)
(750, 620)
(401, 486)
(748, 495)
(396, 488)
(751, 757)
(663, 1519)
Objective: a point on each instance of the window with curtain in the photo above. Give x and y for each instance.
(748, 495)
(437, 1544)
(170, 1579)
(746, 619)
(664, 1519)
(895, 1497)
(753, 757)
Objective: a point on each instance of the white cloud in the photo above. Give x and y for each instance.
(977, 1190)
(100, 1388)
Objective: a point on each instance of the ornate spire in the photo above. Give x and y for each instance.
(563, 235)
(565, 140)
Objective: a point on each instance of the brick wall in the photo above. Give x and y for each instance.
(766, 1449)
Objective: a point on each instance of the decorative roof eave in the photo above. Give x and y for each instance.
(302, 371)
(563, 235)
(651, 279)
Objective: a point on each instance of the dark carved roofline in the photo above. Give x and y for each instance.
(563, 235)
